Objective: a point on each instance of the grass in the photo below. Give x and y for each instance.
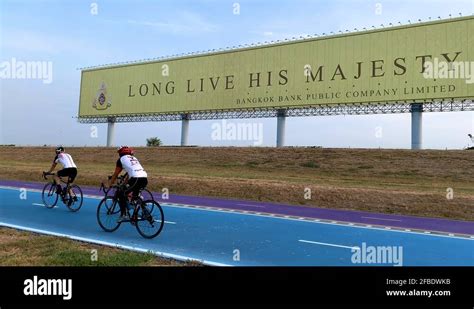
(376, 180)
(19, 248)
(310, 164)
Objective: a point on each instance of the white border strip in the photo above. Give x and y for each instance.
(114, 245)
(328, 244)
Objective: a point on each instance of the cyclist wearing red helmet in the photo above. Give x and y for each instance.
(137, 177)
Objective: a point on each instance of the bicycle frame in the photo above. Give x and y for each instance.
(136, 201)
(68, 183)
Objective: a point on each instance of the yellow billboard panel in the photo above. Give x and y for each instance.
(414, 63)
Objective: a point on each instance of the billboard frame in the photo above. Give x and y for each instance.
(415, 107)
(159, 115)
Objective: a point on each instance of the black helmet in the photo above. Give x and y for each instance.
(59, 149)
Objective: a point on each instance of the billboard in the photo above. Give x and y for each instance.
(414, 63)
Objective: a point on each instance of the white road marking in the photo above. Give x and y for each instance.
(328, 244)
(168, 222)
(38, 204)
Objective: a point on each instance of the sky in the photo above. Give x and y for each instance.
(75, 34)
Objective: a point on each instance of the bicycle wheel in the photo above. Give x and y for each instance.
(49, 196)
(150, 219)
(146, 195)
(108, 212)
(74, 202)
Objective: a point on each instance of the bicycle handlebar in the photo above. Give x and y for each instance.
(120, 183)
(119, 178)
(103, 188)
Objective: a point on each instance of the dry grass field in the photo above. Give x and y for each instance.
(18, 248)
(386, 181)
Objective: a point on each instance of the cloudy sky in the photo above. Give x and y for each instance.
(75, 34)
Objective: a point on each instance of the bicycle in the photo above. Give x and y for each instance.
(71, 195)
(147, 216)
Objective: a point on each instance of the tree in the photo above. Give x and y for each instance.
(153, 142)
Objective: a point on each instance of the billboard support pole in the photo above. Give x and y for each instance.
(416, 126)
(110, 131)
(281, 118)
(184, 129)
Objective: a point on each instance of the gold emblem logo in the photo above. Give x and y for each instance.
(102, 99)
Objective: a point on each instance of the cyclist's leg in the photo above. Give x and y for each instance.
(57, 179)
(123, 196)
(122, 200)
(72, 173)
(141, 183)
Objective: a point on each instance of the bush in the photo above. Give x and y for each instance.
(153, 142)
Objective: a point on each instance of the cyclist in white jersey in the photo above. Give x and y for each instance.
(69, 167)
(137, 177)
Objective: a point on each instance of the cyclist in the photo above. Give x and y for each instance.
(137, 178)
(69, 169)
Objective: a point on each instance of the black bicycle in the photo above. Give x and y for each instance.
(146, 215)
(71, 194)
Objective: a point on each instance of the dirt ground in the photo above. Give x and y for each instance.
(406, 182)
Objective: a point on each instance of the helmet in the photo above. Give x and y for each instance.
(59, 149)
(125, 150)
